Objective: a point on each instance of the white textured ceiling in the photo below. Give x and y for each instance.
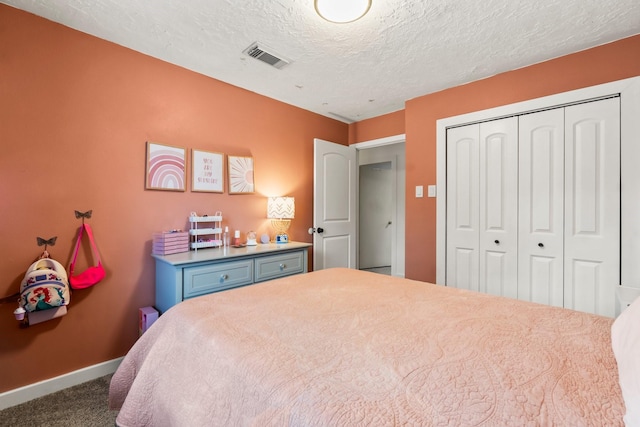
(400, 50)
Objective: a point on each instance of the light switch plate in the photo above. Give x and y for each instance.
(431, 191)
(419, 191)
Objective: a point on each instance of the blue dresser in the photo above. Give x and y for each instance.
(194, 273)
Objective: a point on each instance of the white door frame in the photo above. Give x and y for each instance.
(629, 91)
(375, 143)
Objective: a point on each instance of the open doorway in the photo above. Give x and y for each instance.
(381, 208)
(376, 200)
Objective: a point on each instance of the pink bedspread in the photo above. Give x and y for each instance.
(345, 347)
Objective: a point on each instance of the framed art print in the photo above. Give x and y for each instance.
(240, 175)
(207, 170)
(166, 167)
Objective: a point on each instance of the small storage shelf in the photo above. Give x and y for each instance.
(204, 231)
(205, 237)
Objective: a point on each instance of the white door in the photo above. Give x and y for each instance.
(592, 206)
(541, 212)
(334, 205)
(463, 207)
(482, 182)
(499, 207)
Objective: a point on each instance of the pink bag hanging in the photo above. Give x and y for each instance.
(91, 275)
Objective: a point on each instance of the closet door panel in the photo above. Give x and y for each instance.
(499, 207)
(540, 207)
(466, 268)
(583, 293)
(544, 275)
(592, 203)
(462, 207)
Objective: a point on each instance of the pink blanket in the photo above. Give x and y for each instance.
(345, 347)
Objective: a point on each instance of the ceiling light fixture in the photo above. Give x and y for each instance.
(342, 11)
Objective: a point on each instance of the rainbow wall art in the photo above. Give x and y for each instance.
(165, 167)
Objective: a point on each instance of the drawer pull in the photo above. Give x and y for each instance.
(223, 277)
(282, 266)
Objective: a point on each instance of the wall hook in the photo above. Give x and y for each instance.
(45, 243)
(83, 215)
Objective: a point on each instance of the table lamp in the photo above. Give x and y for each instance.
(281, 210)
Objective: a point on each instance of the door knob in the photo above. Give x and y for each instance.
(320, 230)
(315, 230)
(540, 245)
(497, 242)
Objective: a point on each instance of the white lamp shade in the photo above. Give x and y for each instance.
(281, 207)
(342, 11)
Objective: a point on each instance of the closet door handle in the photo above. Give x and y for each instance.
(540, 245)
(497, 242)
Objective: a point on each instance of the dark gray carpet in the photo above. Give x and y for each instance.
(84, 405)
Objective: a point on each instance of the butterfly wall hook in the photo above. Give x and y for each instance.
(83, 215)
(45, 243)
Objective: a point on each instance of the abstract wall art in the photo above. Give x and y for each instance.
(240, 175)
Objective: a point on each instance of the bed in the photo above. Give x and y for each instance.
(343, 347)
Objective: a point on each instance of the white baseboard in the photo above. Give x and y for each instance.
(42, 388)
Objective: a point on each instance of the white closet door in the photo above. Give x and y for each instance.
(592, 206)
(499, 207)
(541, 213)
(462, 207)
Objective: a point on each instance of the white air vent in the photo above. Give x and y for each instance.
(266, 55)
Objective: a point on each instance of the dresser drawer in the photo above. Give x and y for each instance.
(274, 266)
(216, 277)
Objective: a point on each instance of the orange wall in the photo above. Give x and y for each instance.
(378, 127)
(602, 64)
(75, 114)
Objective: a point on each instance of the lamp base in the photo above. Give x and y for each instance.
(281, 226)
(282, 238)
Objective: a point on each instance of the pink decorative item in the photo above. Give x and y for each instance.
(91, 275)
